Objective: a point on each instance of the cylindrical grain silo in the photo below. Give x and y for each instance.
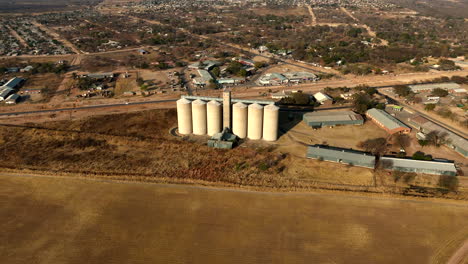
(239, 120)
(214, 117)
(255, 122)
(270, 122)
(199, 117)
(184, 116)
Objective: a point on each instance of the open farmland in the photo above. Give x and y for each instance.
(59, 220)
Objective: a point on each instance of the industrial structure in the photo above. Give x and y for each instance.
(253, 119)
(387, 122)
(418, 166)
(367, 160)
(346, 156)
(332, 118)
(429, 87)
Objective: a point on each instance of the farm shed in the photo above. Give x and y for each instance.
(387, 122)
(346, 156)
(328, 118)
(418, 166)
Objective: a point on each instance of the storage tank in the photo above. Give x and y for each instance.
(184, 116)
(255, 121)
(214, 118)
(239, 120)
(199, 117)
(270, 122)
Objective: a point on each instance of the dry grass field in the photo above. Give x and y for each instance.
(60, 220)
(139, 146)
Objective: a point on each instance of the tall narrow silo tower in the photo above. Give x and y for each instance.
(214, 118)
(199, 117)
(255, 121)
(227, 109)
(270, 122)
(184, 116)
(239, 120)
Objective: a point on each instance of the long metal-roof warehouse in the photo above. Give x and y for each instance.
(416, 88)
(328, 118)
(418, 166)
(387, 122)
(346, 156)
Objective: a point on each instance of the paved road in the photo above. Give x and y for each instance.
(85, 107)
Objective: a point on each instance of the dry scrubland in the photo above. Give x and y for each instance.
(53, 220)
(138, 146)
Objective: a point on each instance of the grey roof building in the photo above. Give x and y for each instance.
(416, 88)
(100, 76)
(14, 83)
(12, 99)
(330, 118)
(387, 122)
(346, 156)
(418, 166)
(5, 92)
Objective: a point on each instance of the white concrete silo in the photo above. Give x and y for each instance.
(184, 116)
(199, 117)
(270, 122)
(214, 117)
(255, 121)
(239, 120)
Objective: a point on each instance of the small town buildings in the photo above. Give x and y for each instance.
(207, 65)
(282, 94)
(5, 92)
(329, 118)
(454, 141)
(27, 69)
(12, 99)
(204, 79)
(346, 156)
(387, 122)
(323, 99)
(231, 81)
(223, 140)
(14, 83)
(100, 76)
(246, 62)
(418, 166)
(418, 88)
(143, 52)
(273, 79)
(298, 77)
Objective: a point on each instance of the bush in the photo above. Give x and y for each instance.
(419, 155)
(429, 107)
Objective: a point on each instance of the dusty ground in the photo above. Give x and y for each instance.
(57, 220)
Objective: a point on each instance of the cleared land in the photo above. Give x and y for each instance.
(58, 220)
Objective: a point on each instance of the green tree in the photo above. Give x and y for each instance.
(429, 107)
(439, 92)
(376, 146)
(402, 90)
(216, 71)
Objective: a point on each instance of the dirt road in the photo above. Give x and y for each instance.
(371, 32)
(17, 36)
(313, 18)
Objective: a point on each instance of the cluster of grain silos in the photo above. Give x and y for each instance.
(204, 116)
